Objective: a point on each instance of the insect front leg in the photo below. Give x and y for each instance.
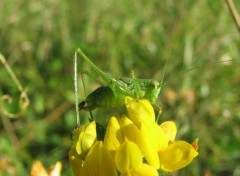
(159, 111)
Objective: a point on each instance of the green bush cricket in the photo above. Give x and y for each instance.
(112, 94)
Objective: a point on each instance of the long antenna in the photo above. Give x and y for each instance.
(163, 76)
(164, 70)
(161, 84)
(76, 88)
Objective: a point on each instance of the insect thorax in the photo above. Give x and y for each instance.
(150, 89)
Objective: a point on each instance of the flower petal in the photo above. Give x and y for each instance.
(144, 170)
(138, 110)
(84, 137)
(113, 136)
(128, 156)
(177, 155)
(99, 162)
(89, 136)
(128, 129)
(75, 161)
(38, 169)
(170, 129)
(56, 169)
(147, 142)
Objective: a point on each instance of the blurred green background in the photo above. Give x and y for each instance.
(202, 79)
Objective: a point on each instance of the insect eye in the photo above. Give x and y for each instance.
(154, 85)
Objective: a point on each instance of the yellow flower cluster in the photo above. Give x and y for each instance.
(134, 145)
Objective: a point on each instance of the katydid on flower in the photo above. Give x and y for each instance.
(113, 93)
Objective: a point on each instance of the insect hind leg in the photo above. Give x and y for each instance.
(82, 104)
(90, 76)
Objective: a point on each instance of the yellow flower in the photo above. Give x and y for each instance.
(171, 155)
(129, 161)
(83, 138)
(129, 139)
(120, 128)
(177, 154)
(151, 137)
(98, 162)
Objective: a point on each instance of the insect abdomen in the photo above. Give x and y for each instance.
(102, 97)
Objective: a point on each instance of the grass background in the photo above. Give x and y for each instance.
(201, 95)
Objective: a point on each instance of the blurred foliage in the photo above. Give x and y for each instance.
(202, 94)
